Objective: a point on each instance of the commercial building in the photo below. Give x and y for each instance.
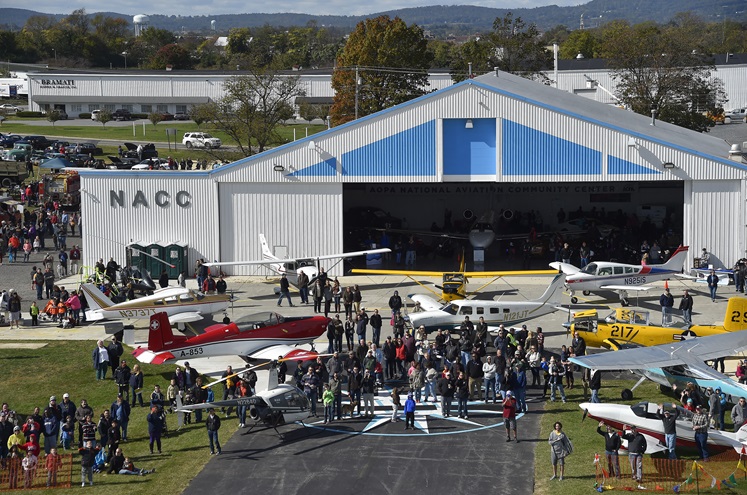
(497, 142)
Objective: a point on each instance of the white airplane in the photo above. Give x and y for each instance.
(309, 265)
(620, 277)
(676, 363)
(643, 416)
(495, 313)
(182, 305)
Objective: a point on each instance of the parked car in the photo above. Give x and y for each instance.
(181, 116)
(85, 149)
(20, 152)
(9, 108)
(95, 114)
(737, 114)
(9, 140)
(149, 151)
(166, 116)
(37, 142)
(121, 114)
(200, 140)
(62, 114)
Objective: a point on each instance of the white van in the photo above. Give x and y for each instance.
(95, 114)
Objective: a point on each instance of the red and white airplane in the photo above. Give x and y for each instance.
(258, 336)
(620, 277)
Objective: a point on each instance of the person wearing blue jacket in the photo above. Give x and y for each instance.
(409, 412)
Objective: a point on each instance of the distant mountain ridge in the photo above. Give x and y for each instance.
(441, 18)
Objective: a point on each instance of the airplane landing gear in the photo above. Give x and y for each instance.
(586, 292)
(574, 300)
(627, 394)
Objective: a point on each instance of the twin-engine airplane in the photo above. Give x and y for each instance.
(620, 277)
(180, 304)
(644, 416)
(293, 266)
(280, 404)
(495, 312)
(626, 326)
(676, 363)
(258, 336)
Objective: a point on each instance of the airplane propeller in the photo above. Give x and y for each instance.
(586, 413)
(260, 365)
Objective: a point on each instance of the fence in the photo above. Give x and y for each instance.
(725, 470)
(13, 476)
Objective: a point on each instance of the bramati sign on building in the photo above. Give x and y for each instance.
(57, 83)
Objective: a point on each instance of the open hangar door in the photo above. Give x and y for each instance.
(614, 218)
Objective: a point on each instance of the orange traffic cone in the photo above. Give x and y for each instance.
(666, 284)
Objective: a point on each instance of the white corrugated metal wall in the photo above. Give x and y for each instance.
(714, 218)
(304, 218)
(108, 227)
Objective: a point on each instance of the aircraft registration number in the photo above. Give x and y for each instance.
(136, 313)
(623, 332)
(192, 351)
(739, 317)
(635, 280)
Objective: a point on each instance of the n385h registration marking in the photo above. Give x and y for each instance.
(623, 332)
(135, 313)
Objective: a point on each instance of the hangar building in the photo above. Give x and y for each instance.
(498, 142)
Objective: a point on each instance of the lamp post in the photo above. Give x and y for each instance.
(124, 54)
(55, 55)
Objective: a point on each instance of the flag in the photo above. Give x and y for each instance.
(713, 481)
(732, 479)
(676, 488)
(740, 465)
(688, 480)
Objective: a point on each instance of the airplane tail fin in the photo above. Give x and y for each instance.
(266, 253)
(735, 318)
(554, 290)
(95, 298)
(272, 378)
(179, 411)
(159, 332)
(677, 261)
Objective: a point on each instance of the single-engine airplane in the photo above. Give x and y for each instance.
(620, 277)
(495, 313)
(258, 336)
(182, 305)
(643, 416)
(454, 284)
(280, 404)
(632, 326)
(309, 265)
(676, 363)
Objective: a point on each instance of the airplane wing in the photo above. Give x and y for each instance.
(653, 444)
(143, 355)
(414, 273)
(691, 352)
(566, 268)
(350, 254)
(426, 303)
(188, 317)
(287, 352)
(633, 288)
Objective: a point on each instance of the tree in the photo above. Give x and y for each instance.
(105, 115)
(657, 68)
(172, 55)
(579, 41)
(53, 116)
(518, 47)
(252, 108)
(155, 118)
(392, 63)
(200, 114)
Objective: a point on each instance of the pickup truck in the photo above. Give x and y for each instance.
(12, 173)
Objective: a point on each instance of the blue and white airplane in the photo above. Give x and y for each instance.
(677, 363)
(620, 277)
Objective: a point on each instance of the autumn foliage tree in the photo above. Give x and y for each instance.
(392, 61)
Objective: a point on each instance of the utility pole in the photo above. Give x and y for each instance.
(356, 92)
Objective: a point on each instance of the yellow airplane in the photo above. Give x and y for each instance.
(626, 326)
(454, 284)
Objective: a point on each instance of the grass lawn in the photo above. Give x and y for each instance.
(29, 377)
(154, 134)
(579, 467)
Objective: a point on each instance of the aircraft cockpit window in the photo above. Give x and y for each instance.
(170, 300)
(607, 270)
(590, 268)
(186, 298)
(465, 310)
(290, 267)
(451, 309)
(630, 269)
(301, 263)
(640, 409)
(289, 399)
(158, 303)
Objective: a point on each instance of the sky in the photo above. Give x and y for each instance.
(333, 7)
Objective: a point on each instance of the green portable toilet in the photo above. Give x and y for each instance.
(176, 254)
(135, 256)
(152, 263)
